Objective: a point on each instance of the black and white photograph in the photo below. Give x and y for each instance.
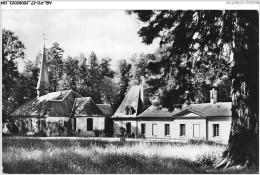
(145, 87)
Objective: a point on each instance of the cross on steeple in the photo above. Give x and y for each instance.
(44, 39)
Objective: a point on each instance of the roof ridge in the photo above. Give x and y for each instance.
(196, 111)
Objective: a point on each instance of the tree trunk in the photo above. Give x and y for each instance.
(243, 142)
(243, 145)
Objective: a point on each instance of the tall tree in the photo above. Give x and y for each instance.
(70, 75)
(55, 65)
(217, 39)
(28, 80)
(94, 78)
(12, 49)
(123, 72)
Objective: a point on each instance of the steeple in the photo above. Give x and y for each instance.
(43, 82)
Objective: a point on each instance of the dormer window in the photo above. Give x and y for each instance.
(129, 110)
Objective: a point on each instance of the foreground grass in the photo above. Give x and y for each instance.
(95, 156)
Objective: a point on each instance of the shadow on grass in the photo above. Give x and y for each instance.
(73, 163)
(64, 158)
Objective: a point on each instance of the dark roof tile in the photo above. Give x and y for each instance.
(106, 109)
(54, 104)
(85, 106)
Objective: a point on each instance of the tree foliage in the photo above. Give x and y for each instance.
(28, 80)
(70, 74)
(55, 65)
(123, 74)
(89, 77)
(86, 76)
(12, 49)
(214, 42)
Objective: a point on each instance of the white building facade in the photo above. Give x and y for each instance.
(205, 121)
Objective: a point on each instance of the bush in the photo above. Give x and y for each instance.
(98, 132)
(210, 157)
(122, 130)
(200, 141)
(55, 129)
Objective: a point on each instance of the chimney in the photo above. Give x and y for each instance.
(43, 82)
(187, 97)
(143, 93)
(213, 96)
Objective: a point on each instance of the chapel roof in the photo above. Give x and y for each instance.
(53, 104)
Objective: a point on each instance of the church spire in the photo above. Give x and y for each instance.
(43, 82)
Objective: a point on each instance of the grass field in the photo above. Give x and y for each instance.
(28, 155)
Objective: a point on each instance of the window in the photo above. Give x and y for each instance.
(90, 124)
(128, 128)
(182, 130)
(215, 130)
(30, 125)
(73, 124)
(129, 110)
(143, 129)
(154, 129)
(167, 129)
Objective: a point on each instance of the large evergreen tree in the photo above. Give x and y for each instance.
(214, 40)
(123, 73)
(55, 65)
(12, 49)
(28, 81)
(70, 75)
(89, 77)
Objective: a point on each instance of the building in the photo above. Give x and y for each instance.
(207, 121)
(67, 108)
(89, 116)
(135, 101)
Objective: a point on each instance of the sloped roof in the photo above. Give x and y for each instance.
(54, 104)
(220, 109)
(154, 111)
(106, 109)
(190, 111)
(131, 99)
(212, 110)
(85, 106)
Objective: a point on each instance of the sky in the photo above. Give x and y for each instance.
(109, 33)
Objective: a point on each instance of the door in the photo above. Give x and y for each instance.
(73, 124)
(154, 129)
(128, 128)
(196, 130)
(90, 124)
